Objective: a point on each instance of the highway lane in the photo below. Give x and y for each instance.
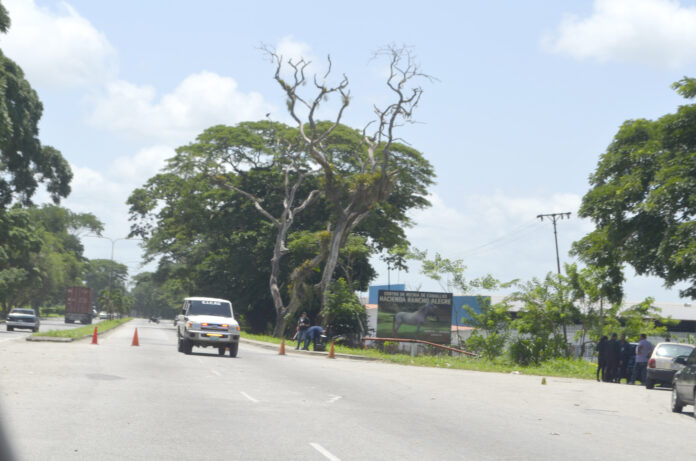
(115, 401)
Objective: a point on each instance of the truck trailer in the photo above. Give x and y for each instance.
(78, 305)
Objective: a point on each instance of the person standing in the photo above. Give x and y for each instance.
(613, 355)
(643, 352)
(302, 326)
(625, 356)
(602, 358)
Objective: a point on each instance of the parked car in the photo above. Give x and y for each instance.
(23, 318)
(684, 382)
(103, 315)
(661, 366)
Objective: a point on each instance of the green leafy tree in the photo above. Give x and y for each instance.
(153, 296)
(642, 199)
(103, 275)
(24, 162)
(41, 254)
(344, 315)
(548, 307)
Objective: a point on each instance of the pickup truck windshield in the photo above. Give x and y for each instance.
(210, 308)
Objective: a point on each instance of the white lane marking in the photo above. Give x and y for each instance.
(249, 397)
(324, 452)
(334, 398)
(215, 372)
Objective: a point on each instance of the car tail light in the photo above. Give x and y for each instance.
(651, 363)
(204, 324)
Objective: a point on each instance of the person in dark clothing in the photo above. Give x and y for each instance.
(312, 335)
(302, 326)
(602, 357)
(624, 358)
(613, 357)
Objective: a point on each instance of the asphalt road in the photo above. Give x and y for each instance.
(113, 401)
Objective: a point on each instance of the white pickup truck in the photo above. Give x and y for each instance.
(207, 322)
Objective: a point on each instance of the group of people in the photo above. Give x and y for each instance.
(307, 333)
(614, 356)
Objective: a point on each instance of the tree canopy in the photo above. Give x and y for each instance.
(643, 199)
(24, 162)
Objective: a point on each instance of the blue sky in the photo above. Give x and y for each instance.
(528, 96)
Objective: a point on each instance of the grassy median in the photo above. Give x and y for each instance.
(84, 331)
(568, 368)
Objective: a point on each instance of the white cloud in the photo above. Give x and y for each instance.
(200, 101)
(657, 33)
(289, 48)
(58, 49)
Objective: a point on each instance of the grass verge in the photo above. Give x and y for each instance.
(83, 331)
(568, 368)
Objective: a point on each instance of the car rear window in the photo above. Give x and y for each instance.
(220, 308)
(22, 311)
(673, 350)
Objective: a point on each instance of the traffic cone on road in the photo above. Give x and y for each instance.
(331, 355)
(135, 339)
(94, 336)
(281, 351)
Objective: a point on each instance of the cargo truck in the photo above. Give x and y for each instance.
(78, 305)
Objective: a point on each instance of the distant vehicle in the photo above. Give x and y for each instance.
(23, 318)
(103, 315)
(684, 382)
(78, 305)
(207, 322)
(661, 366)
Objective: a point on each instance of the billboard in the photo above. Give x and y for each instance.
(415, 315)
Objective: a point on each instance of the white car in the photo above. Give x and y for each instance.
(23, 318)
(662, 367)
(207, 322)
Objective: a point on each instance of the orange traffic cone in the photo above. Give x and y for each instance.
(331, 355)
(281, 351)
(135, 339)
(94, 336)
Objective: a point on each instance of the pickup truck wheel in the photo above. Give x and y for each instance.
(234, 348)
(221, 350)
(188, 346)
(677, 404)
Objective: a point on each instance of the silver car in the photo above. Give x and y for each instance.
(23, 318)
(661, 366)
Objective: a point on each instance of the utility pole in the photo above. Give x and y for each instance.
(554, 217)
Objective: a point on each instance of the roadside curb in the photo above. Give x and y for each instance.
(48, 339)
(291, 350)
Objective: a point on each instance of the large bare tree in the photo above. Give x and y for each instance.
(375, 164)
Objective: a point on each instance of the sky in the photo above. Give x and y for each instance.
(527, 97)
